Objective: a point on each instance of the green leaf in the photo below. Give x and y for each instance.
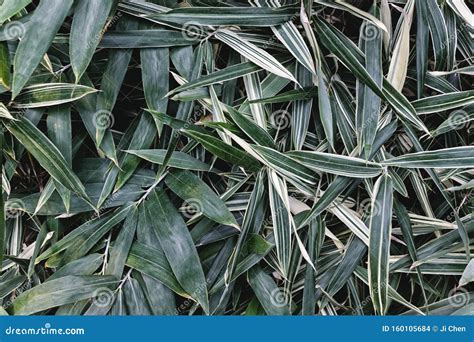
(253, 53)
(366, 124)
(401, 50)
(285, 165)
(253, 131)
(112, 79)
(92, 230)
(336, 164)
(289, 35)
(230, 88)
(325, 110)
(46, 154)
(133, 39)
(179, 248)
(123, 242)
(274, 300)
(316, 236)
(439, 103)
(305, 93)
(422, 45)
(179, 160)
(455, 157)
(88, 25)
(222, 150)
(282, 222)
(226, 74)
(345, 6)
(60, 291)
(143, 137)
(439, 33)
(226, 16)
(195, 192)
(80, 267)
(49, 15)
(5, 113)
(153, 262)
(50, 94)
(155, 70)
(380, 230)
(349, 54)
(457, 120)
(85, 239)
(4, 66)
(468, 274)
(301, 110)
(60, 133)
(10, 8)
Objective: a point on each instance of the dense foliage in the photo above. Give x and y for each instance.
(236, 157)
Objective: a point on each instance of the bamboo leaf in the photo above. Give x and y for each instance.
(380, 228)
(226, 16)
(47, 155)
(438, 103)
(88, 25)
(193, 190)
(179, 160)
(50, 94)
(336, 164)
(49, 15)
(455, 157)
(60, 291)
(253, 53)
(10, 8)
(179, 248)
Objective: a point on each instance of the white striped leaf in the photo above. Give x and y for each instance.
(253, 53)
(380, 230)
